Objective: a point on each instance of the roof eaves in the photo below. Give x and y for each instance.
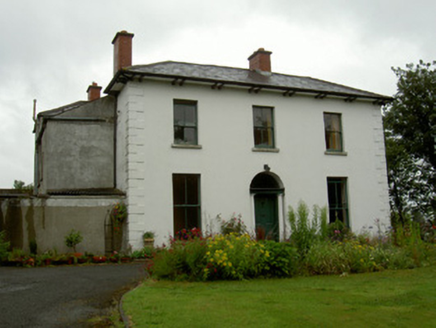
(133, 72)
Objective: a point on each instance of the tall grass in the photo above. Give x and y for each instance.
(304, 233)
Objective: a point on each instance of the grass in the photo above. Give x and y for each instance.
(404, 298)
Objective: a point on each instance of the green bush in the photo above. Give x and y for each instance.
(4, 246)
(282, 261)
(233, 225)
(304, 232)
(73, 239)
(33, 246)
(234, 257)
(183, 260)
(315, 248)
(223, 257)
(325, 257)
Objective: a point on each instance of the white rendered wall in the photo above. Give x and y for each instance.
(227, 164)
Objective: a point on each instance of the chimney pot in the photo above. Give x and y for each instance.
(122, 50)
(93, 91)
(260, 60)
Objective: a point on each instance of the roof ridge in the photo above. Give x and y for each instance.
(188, 63)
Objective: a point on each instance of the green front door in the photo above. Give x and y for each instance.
(266, 214)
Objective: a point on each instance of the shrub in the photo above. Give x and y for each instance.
(325, 257)
(338, 231)
(304, 232)
(184, 260)
(4, 246)
(234, 257)
(282, 261)
(234, 225)
(33, 247)
(146, 252)
(221, 257)
(73, 239)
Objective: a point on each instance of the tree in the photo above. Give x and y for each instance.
(21, 185)
(410, 129)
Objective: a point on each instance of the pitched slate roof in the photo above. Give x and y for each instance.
(63, 109)
(220, 76)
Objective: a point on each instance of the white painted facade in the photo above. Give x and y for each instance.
(227, 163)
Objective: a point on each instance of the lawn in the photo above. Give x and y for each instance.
(403, 298)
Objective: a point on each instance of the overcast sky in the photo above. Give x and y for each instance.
(52, 50)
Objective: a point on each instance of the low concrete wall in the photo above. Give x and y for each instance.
(48, 220)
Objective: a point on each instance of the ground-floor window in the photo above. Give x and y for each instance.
(186, 200)
(338, 200)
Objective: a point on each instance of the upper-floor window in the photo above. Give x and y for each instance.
(185, 122)
(263, 127)
(333, 132)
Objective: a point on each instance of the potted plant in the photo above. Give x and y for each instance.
(118, 216)
(148, 238)
(72, 239)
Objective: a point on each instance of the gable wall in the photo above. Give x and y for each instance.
(77, 152)
(227, 163)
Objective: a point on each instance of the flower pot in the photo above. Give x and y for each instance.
(126, 259)
(99, 259)
(149, 242)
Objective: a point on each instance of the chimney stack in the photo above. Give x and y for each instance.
(260, 60)
(122, 50)
(93, 91)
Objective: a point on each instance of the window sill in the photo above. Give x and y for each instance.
(266, 150)
(181, 146)
(336, 153)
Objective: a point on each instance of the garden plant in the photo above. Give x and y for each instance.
(314, 248)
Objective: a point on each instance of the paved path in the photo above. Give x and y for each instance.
(64, 296)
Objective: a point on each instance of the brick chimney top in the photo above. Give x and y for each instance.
(93, 91)
(122, 50)
(260, 60)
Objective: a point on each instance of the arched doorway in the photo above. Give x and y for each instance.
(265, 188)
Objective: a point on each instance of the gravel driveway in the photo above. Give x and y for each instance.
(65, 296)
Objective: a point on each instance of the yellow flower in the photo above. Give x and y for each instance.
(267, 254)
(230, 264)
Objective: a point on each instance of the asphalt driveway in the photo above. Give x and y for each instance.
(65, 296)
